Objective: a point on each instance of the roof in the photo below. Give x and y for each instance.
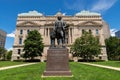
(82, 13)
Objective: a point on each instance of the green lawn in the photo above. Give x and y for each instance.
(80, 72)
(109, 63)
(9, 63)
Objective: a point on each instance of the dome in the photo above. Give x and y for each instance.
(31, 13)
(59, 14)
(87, 13)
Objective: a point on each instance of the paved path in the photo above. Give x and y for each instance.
(9, 67)
(108, 67)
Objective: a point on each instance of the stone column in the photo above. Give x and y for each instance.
(48, 32)
(69, 37)
(44, 31)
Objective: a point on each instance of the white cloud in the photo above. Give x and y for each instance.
(11, 34)
(64, 14)
(103, 5)
(76, 5)
(95, 5)
(9, 49)
(112, 32)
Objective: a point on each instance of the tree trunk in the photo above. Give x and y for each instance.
(32, 58)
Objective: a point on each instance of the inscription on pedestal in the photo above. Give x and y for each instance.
(57, 63)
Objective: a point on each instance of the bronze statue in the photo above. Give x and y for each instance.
(59, 32)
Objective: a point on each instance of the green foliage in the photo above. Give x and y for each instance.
(87, 46)
(113, 48)
(9, 55)
(33, 45)
(2, 53)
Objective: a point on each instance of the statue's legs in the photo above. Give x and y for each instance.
(61, 32)
(63, 42)
(53, 42)
(59, 41)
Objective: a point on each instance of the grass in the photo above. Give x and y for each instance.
(109, 63)
(80, 72)
(9, 63)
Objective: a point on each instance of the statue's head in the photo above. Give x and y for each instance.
(59, 17)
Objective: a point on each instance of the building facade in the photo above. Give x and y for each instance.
(84, 20)
(117, 34)
(2, 38)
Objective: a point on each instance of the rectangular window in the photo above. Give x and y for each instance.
(97, 32)
(20, 40)
(90, 31)
(28, 31)
(18, 57)
(83, 31)
(21, 31)
(19, 50)
(67, 40)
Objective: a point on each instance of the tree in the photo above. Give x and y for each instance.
(113, 48)
(2, 53)
(33, 45)
(8, 55)
(87, 46)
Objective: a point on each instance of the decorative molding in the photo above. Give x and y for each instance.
(89, 23)
(28, 23)
(18, 46)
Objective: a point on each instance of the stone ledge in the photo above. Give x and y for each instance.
(57, 74)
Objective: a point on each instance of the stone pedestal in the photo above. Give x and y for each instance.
(57, 62)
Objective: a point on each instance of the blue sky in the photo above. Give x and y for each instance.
(9, 9)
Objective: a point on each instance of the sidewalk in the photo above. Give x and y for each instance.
(102, 66)
(15, 66)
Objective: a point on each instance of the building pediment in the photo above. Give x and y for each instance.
(89, 23)
(28, 23)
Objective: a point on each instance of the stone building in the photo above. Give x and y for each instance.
(82, 21)
(2, 38)
(117, 34)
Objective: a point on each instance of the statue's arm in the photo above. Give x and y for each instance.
(64, 25)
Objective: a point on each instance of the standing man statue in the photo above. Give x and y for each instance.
(58, 32)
